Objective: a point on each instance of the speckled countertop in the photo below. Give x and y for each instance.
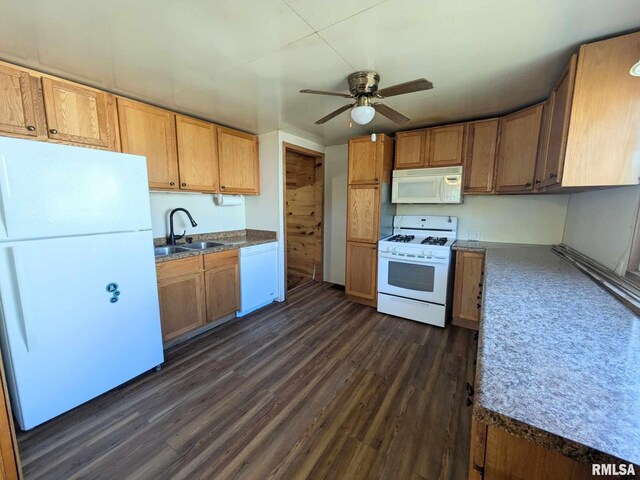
(558, 358)
(230, 239)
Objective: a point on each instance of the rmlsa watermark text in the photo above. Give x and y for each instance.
(621, 469)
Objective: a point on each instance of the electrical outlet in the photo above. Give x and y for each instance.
(474, 236)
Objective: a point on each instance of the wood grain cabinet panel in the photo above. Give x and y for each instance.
(238, 162)
(365, 162)
(222, 287)
(603, 146)
(411, 149)
(467, 292)
(78, 114)
(362, 267)
(446, 146)
(518, 150)
(10, 468)
(197, 155)
(17, 111)
(182, 304)
(363, 216)
(480, 161)
(151, 132)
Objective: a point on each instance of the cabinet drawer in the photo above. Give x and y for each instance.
(218, 259)
(184, 266)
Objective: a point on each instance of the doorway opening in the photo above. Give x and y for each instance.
(304, 215)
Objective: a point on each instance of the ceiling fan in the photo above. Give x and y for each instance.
(364, 87)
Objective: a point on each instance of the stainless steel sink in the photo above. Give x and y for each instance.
(161, 251)
(201, 245)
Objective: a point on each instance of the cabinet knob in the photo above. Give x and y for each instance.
(376, 187)
(376, 179)
(466, 187)
(479, 305)
(538, 181)
(172, 183)
(479, 296)
(221, 187)
(31, 128)
(528, 184)
(552, 175)
(469, 402)
(183, 184)
(469, 389)
(53, 131)
(480, 284)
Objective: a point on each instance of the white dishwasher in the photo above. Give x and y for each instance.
(258, 276)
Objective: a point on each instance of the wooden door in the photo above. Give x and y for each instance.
(363, 214)
(9, 458)
(603, 146)
(411, 149)
(365, 162)
(78, 114)
(559, 115)
(222, 291)
(467, 295)
(445, 146)
(181, 304)
(304, 199)
(518, 150)
(151, 132)
(362, 270)
(197, 155)
(239, 162)
(17, 111)
(480, 159)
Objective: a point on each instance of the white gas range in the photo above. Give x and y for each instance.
(414, 268)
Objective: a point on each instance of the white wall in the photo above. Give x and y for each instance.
(600, 225)
(266, 211)
(335, 212)
(537, 219)
(209, 216)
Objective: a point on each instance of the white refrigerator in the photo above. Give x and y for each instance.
(78, 288)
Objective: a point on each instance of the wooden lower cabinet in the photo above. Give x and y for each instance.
(196, 290)
(498, 455)
(467, 290)
(9, 458)
(361, 282)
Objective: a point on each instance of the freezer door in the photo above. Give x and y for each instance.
(50, 190)
(80, 317)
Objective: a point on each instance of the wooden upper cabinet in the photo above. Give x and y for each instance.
(364, 164)
(411, 149)
(197, 155)
(603, 146)
(480, 161)
(518, 150)
(558, 128)
(78, 114)
(238, 162)
(17, 112)
(363, 213)
(361, 274)
(151, 132)
(445, 146)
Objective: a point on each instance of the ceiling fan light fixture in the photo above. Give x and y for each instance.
(362, 114)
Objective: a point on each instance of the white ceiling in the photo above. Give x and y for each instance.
(242, 62)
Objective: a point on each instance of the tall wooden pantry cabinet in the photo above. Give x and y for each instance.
(369, 213)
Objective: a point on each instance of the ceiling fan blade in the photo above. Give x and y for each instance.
(407, 87)
(320, 92)
(334, 114)
(390, 113)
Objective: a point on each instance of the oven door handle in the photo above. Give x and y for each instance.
(421, 261)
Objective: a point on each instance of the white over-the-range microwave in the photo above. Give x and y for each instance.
(427, 185)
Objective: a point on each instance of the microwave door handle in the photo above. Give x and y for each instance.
(442, 181)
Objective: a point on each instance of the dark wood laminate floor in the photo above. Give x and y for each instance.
(316, 387)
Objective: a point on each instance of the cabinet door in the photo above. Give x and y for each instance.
(151, 132)
(17, 113)
(222, 291)
(181, 304)
(468, 288)
(239, 162)
(411, 149)
(481, 156)
(78, 114)
(363, 214)
(9, 459)
(445, 146)
(362, 270)
(364, 162)
(197, 154)
(560, 110)
(518, 149)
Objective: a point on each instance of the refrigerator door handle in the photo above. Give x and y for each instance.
(24, 303)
